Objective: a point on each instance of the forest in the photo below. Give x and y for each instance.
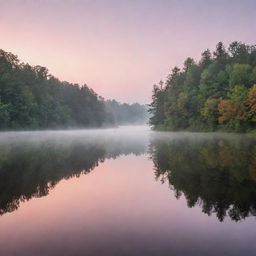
(218, 92)
(123, 113)
(31, 98)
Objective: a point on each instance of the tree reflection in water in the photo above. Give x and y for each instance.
(215, 171)
(31, 164)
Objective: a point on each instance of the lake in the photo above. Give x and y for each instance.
(127, 191)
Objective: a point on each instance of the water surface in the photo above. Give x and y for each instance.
(127, 191)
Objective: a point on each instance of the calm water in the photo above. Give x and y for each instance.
(127, 191)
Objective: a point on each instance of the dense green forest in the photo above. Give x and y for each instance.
(31, 98)
(216, 93)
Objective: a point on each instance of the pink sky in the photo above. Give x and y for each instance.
(120, 48)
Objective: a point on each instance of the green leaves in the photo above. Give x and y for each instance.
(240, 74)
(32, 98)
(215, 93)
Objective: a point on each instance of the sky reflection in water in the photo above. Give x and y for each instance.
(144, 193)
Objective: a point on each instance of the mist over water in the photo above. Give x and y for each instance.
(127, 191)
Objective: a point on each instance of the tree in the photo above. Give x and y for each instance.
(220, 54)
(239, 52)
(4, 115)
(231, 110)
(215, 93)
(31, 98)
(240, 74)
(188, 63)
(157, 108)
(206, 59)
(210, 112)
(251, 102)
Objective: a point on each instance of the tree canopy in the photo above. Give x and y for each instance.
(31, 98)
(215, 93)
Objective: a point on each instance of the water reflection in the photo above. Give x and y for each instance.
(120, 208)
(216, 172)
(31, 164)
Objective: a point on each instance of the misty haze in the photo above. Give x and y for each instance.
(99, 190)
(127, 128)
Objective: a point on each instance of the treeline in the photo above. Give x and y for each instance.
(31, 98)
(216, 93)
(123, 113)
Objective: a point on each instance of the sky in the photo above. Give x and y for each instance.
(120, 48)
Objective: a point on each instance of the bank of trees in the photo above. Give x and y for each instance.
(216, 93)
(31, 98)
(123, 113)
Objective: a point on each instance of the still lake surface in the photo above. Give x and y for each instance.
(127, 191)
